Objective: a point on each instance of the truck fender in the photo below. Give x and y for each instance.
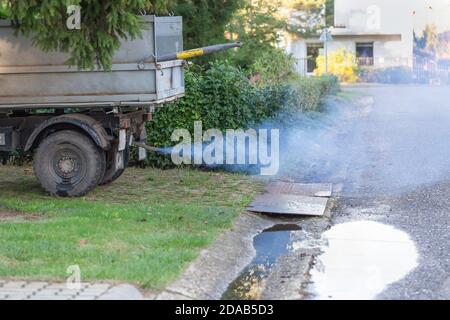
(82, 122)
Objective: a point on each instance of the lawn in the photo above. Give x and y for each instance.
(144, 229)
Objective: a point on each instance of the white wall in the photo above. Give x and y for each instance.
(370, 20)
(380, 16)
(386, 17)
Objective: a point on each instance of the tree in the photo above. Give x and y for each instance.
(427, 45)
(261, 23)
(3, 11)
(273, 67)
(258, 24)
(103, 24)
(431, 39)
(205, 21)
(306, 17)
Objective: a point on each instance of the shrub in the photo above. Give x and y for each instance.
(312, 91)
(367, 75)
(341, 63)
(16, 158)
(309, 93)
(223, 98)
(220, 96)
(392, 75)
(399, 75)
(273, 67)
(329, 84)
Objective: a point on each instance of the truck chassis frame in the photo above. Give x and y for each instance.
(109, 132)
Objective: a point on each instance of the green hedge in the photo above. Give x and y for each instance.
(222, 97)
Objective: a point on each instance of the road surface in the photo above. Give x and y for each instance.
(398, 174)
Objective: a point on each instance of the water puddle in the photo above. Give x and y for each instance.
(360, 260)
(269, 245)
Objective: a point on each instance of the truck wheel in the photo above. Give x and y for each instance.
(112, 174)
(69, 164)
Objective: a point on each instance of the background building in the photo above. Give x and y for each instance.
(378, 33)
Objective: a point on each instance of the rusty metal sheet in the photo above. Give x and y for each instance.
(289, 204)
(301, 189)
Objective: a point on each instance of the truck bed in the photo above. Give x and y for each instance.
(31, 78)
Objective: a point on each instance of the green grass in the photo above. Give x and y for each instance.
(145, 228)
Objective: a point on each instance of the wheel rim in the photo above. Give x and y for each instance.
(67, 165)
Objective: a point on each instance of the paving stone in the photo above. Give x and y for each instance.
(165, 295)
(48, 292)
(67, 293)
(122, 292)
(40, 298)
(58, 286)
(99, 286)
(47, 297)
(81, 286)
(95, 294)
(96, 289)
(14, 285)
(41, 290)
(16, 292)
(36, 285)
(85, 297)
(17, 297)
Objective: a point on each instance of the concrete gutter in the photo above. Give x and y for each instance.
(209, 276)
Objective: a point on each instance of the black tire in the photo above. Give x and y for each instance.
(69, 164)
(111, 173)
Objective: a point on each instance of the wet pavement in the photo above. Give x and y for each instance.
(399, 175)
(270, 245)
(371, 254)
(386, 231)
(388, 157)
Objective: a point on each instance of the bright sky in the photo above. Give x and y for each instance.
(439, 14)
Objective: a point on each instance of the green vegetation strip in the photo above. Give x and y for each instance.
(145, 228)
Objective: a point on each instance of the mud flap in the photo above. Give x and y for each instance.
(119, 160)
(122, 140)
(142, 154)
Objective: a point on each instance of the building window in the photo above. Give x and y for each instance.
(364, 54)
(313, 52)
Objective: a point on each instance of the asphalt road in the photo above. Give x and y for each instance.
(399, 174)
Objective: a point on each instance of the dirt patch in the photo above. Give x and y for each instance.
(12, 216)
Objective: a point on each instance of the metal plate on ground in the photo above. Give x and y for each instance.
(288, 204)
(301, 189)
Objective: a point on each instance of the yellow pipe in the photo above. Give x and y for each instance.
(189, 54)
